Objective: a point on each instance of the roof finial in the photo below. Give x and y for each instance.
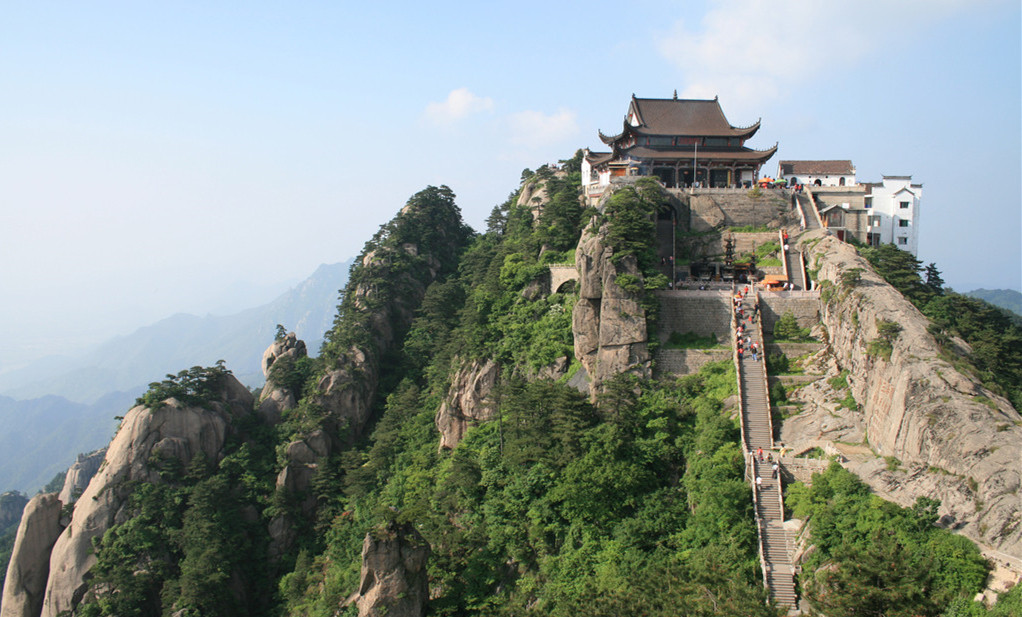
(675, 94)
(715, 96)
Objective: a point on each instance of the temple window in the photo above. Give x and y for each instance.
(904, 205)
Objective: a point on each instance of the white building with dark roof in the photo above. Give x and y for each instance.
(817, 173)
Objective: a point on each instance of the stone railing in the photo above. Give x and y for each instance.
(801, 212)
(784, 253)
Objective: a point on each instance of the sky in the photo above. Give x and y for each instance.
(200, 157)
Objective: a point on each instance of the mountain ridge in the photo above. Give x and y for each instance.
(128, 362)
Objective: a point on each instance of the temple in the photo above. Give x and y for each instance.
(683, 142)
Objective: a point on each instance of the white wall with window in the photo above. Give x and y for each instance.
(894, 212)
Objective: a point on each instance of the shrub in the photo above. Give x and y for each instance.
(879, 348)
(787, 329)
(851, 277)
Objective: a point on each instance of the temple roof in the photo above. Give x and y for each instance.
(816, 168)
(595, 158)
(685, 117)
(707, 154)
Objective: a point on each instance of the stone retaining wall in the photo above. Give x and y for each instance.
(701, 312)
(805, 309)
(681, 362)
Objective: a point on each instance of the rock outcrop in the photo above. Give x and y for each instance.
(80, 474)
(303, 459)
(173, 430)
(608, 322)
(468, 401)
(275, 397)
(30, 558)
(955, 439)
(393, 582)
(384, 291)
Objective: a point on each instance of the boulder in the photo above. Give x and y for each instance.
(30, 557)
(393, 581)
(174, 429)
(80, 474)
(468, 401)
(275, 398)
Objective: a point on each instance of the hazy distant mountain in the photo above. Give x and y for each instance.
(1007, 299)
(41, 437)
(182, 341)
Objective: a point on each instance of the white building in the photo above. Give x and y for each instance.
(817, 173)
(892, 210)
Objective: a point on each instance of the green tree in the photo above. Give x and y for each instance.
(934, 280)
(882, 580)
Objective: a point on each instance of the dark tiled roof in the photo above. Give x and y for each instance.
(685, 117)
(595, 158)
(816, 168)
(743, 154)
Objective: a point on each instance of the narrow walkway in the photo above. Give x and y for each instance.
(806, 206)
(757, 429)
(795, 269)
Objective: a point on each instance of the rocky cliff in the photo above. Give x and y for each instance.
(277, 397)
(393, 581)
(951, 438)
(79, 475)
(385, 287)
(468, 401)
(608, 322)
(171, 430)
(30, 559)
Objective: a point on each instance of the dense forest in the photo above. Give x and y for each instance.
(632, 503)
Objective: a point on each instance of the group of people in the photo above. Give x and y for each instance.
(743, 340)
(774, 466)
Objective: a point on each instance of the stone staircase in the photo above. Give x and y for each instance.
(806, 205)
(796, 270)
(757, 432)
(756, 425)
(775, 541)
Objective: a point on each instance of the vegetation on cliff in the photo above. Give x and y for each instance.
(993, 334)
(871, 556)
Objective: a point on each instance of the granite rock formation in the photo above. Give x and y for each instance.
(393, 581)
(955, 439)
(173, 430)
(608, 322)
(30, 558)
(468, 401)
(276, 398)
(80, 474)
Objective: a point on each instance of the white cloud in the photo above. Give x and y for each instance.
(749, 51)
(459, 104)
(532, 128)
